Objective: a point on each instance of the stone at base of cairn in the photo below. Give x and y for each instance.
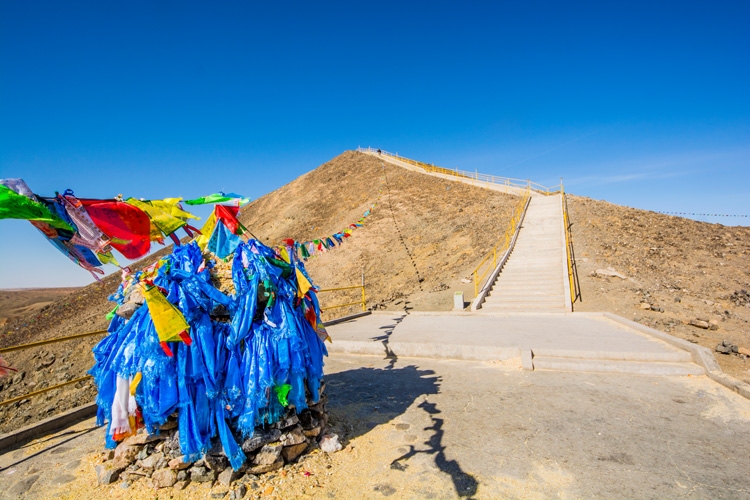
(157, 458)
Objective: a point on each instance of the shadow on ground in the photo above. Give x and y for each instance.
(363, 398)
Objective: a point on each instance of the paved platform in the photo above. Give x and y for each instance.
(555, 341)
(444, 429)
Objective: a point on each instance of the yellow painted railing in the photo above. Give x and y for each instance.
(575, 287)
(362, 301)
(492, 179)
(489, 262)
(41, 343)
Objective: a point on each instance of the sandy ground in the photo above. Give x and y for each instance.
(422, 428)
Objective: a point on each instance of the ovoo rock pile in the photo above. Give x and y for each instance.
(157, 458)
(213, 365)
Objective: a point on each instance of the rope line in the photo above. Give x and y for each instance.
(398, 231)
(703, 215)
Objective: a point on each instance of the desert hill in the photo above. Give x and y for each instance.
(423, 236)
(684, 269)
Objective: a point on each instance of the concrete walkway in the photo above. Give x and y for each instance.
(446, 429)
(552, 341)
(535, 275)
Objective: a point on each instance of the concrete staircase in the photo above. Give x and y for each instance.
(534, 279)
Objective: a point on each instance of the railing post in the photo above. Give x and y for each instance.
(363, 291)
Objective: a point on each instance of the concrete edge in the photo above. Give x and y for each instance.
(702, 356)
(346, 318)
(46, 426)
(356, 347)
(476, 304)
(663, 357)
(453, 351)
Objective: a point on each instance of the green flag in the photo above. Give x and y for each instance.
(18, 206)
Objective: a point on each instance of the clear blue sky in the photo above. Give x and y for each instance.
(645, 104)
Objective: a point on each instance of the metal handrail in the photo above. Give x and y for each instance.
(42, 391)
(50, 341)
(575, 286)
(41, 343)
(492, 179)
(505, 241)
(362, 301)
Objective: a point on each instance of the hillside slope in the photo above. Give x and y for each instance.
(422, 228)
(422, 238)
(684, 269)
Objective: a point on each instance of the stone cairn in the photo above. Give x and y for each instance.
(157, 457)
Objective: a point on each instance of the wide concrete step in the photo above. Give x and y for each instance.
(526, 278)
(530, 300)
(616, 366)
(670, 356)
(502, 287)
(526, 292)
(491, 307)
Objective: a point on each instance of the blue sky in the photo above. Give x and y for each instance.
(642, 104)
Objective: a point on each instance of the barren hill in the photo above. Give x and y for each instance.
(684, 269)
(423, 236)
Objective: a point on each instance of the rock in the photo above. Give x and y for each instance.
(290, 453)
(143, 438)
(330, 443)
(609, 272)
(164, 478)
(311, 433)
(260, 438)
(699, 323)
(219, 493)
(124, 485)
(216, 462)
(293, 437)
(127, 309)
(268, 454)
(125, 455)
(173, 441)
(646, 306)
(168, 425)
(677, 299)
(723, 349)
(107, 475)
(307, 420)
(132, 475)
(180, 485)
(182, 475)
(143, 454)
(226, 477)
(179, 463)
(150, 462)
(287, 422)
(262, 469)
(202, 475)
(238, 493)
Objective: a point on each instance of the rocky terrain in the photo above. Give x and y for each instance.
(687, 278)
(423, 237)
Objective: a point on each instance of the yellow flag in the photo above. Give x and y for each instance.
(206, 232)
(303, 285)
(168, 320)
